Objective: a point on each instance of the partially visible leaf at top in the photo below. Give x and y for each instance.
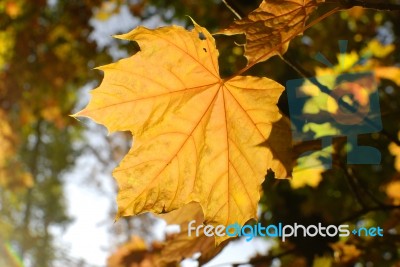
(271, 26)
(197, 137)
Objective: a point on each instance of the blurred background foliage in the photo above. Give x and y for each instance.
(47, 52)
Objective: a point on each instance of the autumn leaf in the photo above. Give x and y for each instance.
(388, 73)
(271, 26)
(181, 245)
(136, 253)
(174, 249)
(308, 172)
(196, 136)
(377, 49)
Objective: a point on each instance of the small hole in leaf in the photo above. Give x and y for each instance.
(202, 36)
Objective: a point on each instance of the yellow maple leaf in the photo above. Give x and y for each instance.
(196, 136)
(271, 26)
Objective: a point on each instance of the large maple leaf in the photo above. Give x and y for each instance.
(197, 137)
(271, 26)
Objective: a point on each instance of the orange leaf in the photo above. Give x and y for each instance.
(271, 26)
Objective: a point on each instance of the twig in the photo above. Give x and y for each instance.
(96, 153)
(366, 189)
(353, 187)
(235, 11)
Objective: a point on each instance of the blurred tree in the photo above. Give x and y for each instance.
(45, 58)
(46, 55)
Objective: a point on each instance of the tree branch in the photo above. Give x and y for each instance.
(234, 10)
(353, 187)
(365, 188)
